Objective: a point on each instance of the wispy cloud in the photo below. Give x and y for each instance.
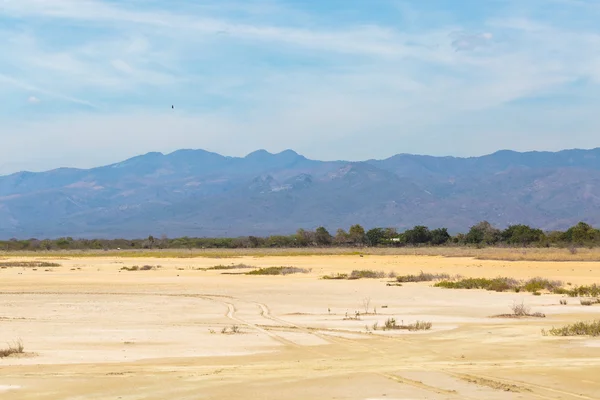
(364, 80)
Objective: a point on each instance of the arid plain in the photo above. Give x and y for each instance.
(94, 329)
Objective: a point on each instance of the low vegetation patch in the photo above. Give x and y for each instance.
(576, 329)
(279, 271)
(423, 277)
(231, 330)
(503, 284)
(583, 291)
(15, 347)
(142, 268)
(28, 264)
(360, 274)
(336, 276)
(496, 284)
(589, 302)
(390, 324)
(227, 267)
(520, 310)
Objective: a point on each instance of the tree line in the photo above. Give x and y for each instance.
(480, 235)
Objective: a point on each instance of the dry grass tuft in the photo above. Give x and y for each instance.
(15, 347)
(28, 264)
(487, 253)
(358, 274)
(589, 302)
(390, 324)
(424, 277)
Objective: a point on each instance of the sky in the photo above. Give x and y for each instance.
(85, 83)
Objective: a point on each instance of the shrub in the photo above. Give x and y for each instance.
(589, 302)
(366, 273)
(422, 277)
(537, 284)
(576, 329)
(226, 267)
(336, 276)
(496, 284)
(520, 310)
(278, 271)
(563, 302)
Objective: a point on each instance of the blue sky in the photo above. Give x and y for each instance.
(90, 82)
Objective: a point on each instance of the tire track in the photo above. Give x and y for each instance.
(528, 386)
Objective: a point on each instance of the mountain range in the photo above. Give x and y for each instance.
(200, 193)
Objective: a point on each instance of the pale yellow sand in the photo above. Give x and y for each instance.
(101, 333)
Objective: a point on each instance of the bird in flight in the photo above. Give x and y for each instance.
(173, 107)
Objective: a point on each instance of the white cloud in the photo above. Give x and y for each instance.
(33, 100)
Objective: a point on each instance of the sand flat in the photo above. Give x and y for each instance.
(88, 324)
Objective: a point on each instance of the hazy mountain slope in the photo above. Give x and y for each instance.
(199, 193)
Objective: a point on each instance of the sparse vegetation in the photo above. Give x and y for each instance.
(496, 284)
(28, 264)
(520, 310)
(358, 274)
(336, 276)
(227, 267)
(563, 302)
(232, 330)
(142, 268)
(15, 347)
(366, 274)
(422, 277)
(589, 302)
(501, 284)
(576, 329)
(390, 324)
(279, 271)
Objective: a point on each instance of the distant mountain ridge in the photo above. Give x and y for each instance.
(200, 193)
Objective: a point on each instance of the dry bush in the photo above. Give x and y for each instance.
(15, 347)
(336, 276)
(366, 273)
(423, 277)
(563, 302)
(520, 310)
(390, 324)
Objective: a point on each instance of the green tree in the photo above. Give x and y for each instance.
(483, 233)
(356, 234)
(341, 237)
(581, 233)
(322, 237)
(522, 235)
(375, 236)
(418, 235)
(439, 236)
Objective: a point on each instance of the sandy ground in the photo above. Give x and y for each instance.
(92, 331)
